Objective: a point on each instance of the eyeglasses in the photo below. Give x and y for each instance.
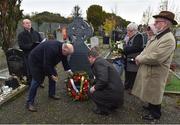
(158, 21)
(129, 30)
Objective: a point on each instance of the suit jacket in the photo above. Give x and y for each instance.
(108, 85)
(45, 57)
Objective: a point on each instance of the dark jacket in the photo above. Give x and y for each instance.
(133, 48)
(44, 58)
(28, 40)
(108, 85)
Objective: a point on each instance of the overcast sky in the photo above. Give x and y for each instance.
(131, 10)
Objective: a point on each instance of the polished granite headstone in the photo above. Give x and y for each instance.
(15, 61)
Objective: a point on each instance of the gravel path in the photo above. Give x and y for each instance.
(67, 111)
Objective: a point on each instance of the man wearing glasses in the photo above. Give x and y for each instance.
(154, 63)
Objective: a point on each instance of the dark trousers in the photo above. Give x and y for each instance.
(28, 74)
(34, 86)
(155, 110)
(102, 105)
(129, 79)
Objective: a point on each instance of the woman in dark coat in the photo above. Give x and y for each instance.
(132, 48)
(107, 91)
(42, 61)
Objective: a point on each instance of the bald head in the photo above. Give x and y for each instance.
(67, 49)
(26, 23)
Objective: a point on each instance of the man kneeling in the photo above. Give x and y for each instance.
(107, 90)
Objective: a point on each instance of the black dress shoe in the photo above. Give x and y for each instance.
(31, 108)
(55, 97)
(150, 117)
(99, 112)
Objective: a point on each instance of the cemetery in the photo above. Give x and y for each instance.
(74, 106)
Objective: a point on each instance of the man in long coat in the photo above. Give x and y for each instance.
(42, 61)
(154, 64)
(27, 40)
(107, 91)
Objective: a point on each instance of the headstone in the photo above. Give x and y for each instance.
(106, 40)
(94, 41)
(79, 31)
(15, 61)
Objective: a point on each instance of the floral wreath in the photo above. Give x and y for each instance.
(78, 85)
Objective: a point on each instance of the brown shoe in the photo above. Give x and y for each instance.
(55, 97)
(31, 108)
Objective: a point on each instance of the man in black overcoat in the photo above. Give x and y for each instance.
(42, 62)
(107, 91)
(27, 40)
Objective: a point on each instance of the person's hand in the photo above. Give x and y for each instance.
(92, 89)
(137, 61)
(54, 78)
(70, 73)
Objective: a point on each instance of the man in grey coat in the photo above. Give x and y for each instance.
(107, 91)
(154, 62)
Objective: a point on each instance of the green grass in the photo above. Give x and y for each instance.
(174, 85)
(178, 45)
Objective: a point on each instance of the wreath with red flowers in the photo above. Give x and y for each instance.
(78, 85)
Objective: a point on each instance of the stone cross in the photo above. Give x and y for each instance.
(79, 31)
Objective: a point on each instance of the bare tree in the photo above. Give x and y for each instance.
(76, 11)
(170, 6)
(147, 15)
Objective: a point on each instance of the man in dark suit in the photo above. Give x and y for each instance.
(42, 62)
(107, 91)
(27, 40)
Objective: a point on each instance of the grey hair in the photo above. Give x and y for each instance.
(93, 52)
(132, 26)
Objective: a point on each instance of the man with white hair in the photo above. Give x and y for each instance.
(132, 48)
(27, 40)
(42, 61)
(154, 64)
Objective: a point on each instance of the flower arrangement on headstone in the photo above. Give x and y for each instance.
(117, 57)
(117, 48)
(78, 85)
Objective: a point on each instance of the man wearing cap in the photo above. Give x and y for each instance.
(154, 63)
(42, 61)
